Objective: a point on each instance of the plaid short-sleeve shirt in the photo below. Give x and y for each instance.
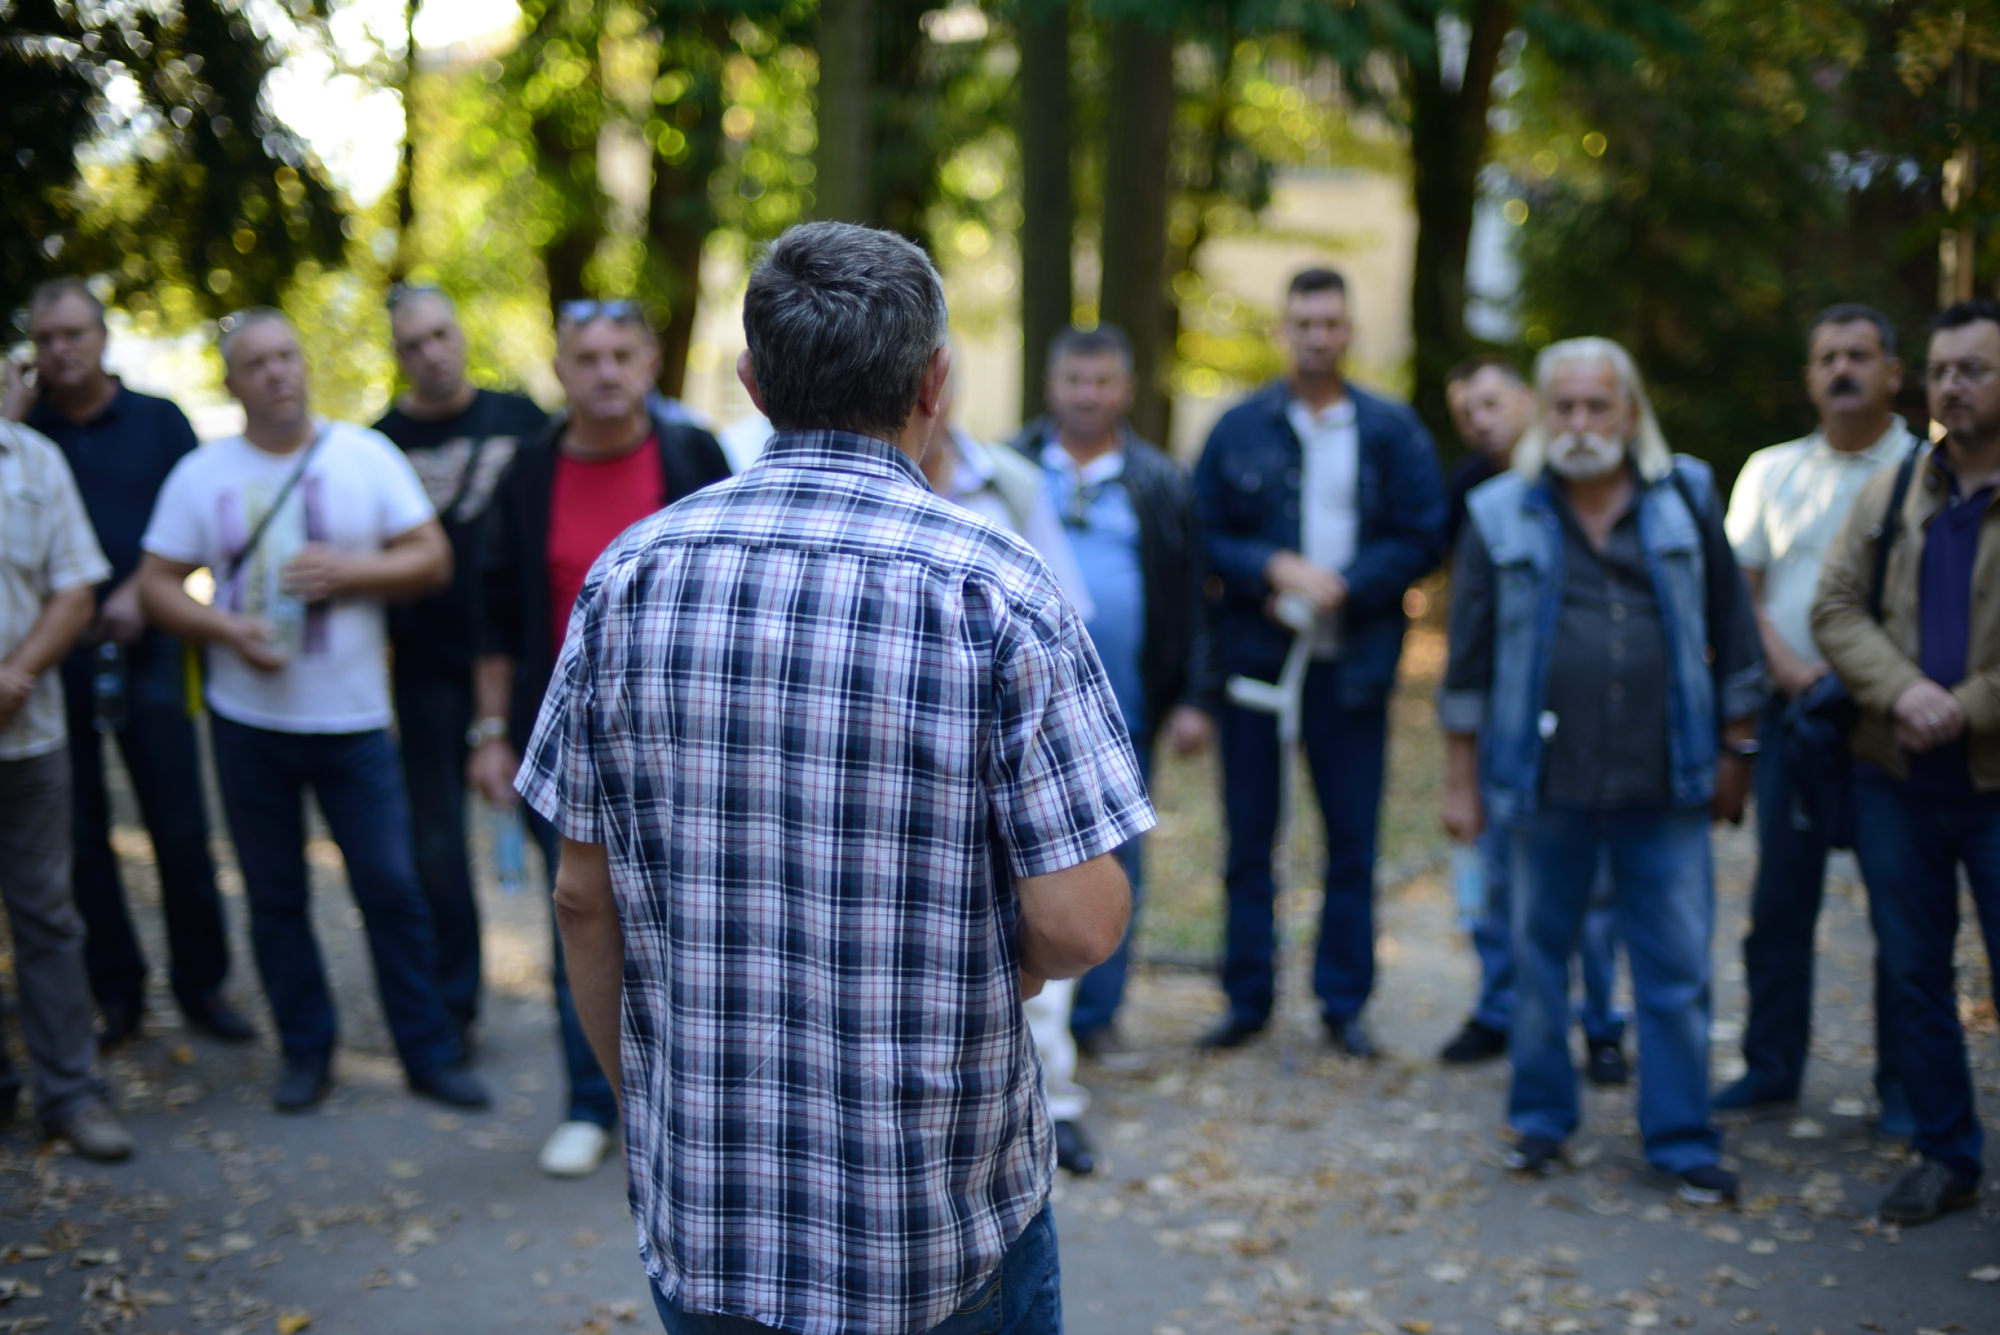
(822, 719)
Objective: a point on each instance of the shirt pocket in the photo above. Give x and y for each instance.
(1251, 487)
(24, 527)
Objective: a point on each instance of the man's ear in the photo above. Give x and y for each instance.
(930, 394)
(749, 379)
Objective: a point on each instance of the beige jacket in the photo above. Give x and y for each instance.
(1879, 662)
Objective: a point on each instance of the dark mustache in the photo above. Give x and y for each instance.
(1844, 384)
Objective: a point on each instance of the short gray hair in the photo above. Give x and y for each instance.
(841, 322)
(49, 293)
(1648, 448)
(231, 326)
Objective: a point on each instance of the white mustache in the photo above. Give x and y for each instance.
(1585, 454)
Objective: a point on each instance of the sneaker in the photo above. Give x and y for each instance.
(1535, 1154)
(92, 1132)
(1475, 1042)
(1708, 1184)
(1607, 1067)
(1073, 1150)
(1927, 1191)
(454, 1086)
(1747, 1096)
(574, 1149)
(303, 1085)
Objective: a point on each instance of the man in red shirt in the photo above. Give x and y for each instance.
(604, 463)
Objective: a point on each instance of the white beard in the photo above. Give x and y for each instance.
(1584, 456)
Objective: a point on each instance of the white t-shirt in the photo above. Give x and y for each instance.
(1330, 515)
(358, 492)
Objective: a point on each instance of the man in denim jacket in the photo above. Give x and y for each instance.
(1601, 696)
(1313, 487)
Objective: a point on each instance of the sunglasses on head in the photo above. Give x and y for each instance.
(584, 311)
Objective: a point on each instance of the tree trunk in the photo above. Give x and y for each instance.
(680, 215)
(406, 166)
(564, 131)
(843, 162)
(1139, 115)
(1048, 207)
(1448, 138)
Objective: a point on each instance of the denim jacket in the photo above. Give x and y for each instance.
(1247, 497)
(1517, 523)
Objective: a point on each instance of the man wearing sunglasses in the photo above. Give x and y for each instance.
(606, 461)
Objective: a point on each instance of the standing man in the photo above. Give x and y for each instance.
(595, 470)
(1789, 504)
(839, 779)
(1927, 747)
(459, 438)
(309, 527)
(1599, 700)
(1313, 487)
(1132, 524)
(120, 446)
(49, 563)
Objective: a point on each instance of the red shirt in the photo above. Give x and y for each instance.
(592, 501)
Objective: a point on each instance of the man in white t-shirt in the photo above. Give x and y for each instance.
(308, 527)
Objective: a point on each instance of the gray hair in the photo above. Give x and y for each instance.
(1648, 447)
(841, 322)
(231, 326)
(49, 293)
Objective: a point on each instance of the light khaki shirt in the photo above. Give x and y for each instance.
(47, 547)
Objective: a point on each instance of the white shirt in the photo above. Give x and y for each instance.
(973, 486)
(1329, 514)
(1789, 503)
(357, 494)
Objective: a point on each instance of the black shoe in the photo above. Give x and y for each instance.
(1349, 1037)
(1607, 1066)
(1231, 1033)
(1535, 1154)
(1708, 1184)
(1475, 1042)
(1752, 1099)
(303, 1085)
(453, 1086)
(119, 1022)
(1073, 1151)
(214, 1016)
(1927, 1191)
(1099, 1043)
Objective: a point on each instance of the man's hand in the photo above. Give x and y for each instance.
(1188, 730)
(21, 393)
(319, 572)
(251, 638)
(1288, 572)
(491, 770)
(1464, 813)
(1732, 788)
(15, 687)
(1927, 716)
(120, 620)
(1792, 675)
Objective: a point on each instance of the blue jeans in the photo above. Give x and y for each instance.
(1911, 846)
(1100, 992)
(1663, 885)
(1023, 1298)
(589, 1088)
(1493, 941)
(264, 775)
(1345, 747)
(433, 711)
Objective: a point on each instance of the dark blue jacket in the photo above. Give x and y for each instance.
(1247, 498)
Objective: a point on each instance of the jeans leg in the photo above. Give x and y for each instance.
(112, 955)
(1348, 751)
(1554, 861)
(263, 800)
(1100, 992)
(590, 1097)
(1597, 963)
(433, 712)
(1493, 935)
(160, 753)
(49, 976)
(1664, 876)
(360, 789)
(1250, 809)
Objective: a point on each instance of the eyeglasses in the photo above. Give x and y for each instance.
(402, 292)
(1970, 374)
(583, 312)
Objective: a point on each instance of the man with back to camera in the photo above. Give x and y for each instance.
(1312, 487)
(839, 779)
(606, 462)
(459, 438)
(1789, 503)
(309, 526)
(120, 445)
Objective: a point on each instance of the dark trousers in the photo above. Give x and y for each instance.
(1784, 913)
(158, 747)
(1346, 748)
(1911, 846)
(589, 1088)
(359, 785)
(433, 711)
(1100, 992)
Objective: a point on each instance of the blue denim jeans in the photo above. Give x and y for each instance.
(355, 776)
(1345, 747)
(1663, 887)
(1100, 992)
(1911, 846)
(589, 1088)
(1023, 1298)
(1493, 942)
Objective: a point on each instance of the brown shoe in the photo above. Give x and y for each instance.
(92, 1132)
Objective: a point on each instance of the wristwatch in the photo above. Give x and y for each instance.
(1741, 750)
(484, 731)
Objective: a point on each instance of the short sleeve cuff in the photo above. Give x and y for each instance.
(1461, 711)
(1744, 693)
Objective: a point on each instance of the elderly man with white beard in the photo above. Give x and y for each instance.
(1600, 700)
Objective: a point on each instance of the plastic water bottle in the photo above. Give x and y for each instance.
(510, 861)
(112, 701)
(1468, 883)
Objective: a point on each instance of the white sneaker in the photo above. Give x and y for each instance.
(574, 1149)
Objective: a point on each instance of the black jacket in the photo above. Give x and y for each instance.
(514, 584)
(1176, 666)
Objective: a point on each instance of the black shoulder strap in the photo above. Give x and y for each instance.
(1892, 521)
(277, 504)
(1713, 566)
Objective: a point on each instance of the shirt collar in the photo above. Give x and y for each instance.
(1337, 414)
(113, 407)
(841, 452)
(1102, 469)
(1894, 441)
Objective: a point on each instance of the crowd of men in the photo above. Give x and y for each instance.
(842, 789)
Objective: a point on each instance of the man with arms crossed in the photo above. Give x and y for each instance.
(839, 779)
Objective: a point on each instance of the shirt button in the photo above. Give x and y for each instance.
(1617, 651)
(1617, 611)
(1617, 690)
